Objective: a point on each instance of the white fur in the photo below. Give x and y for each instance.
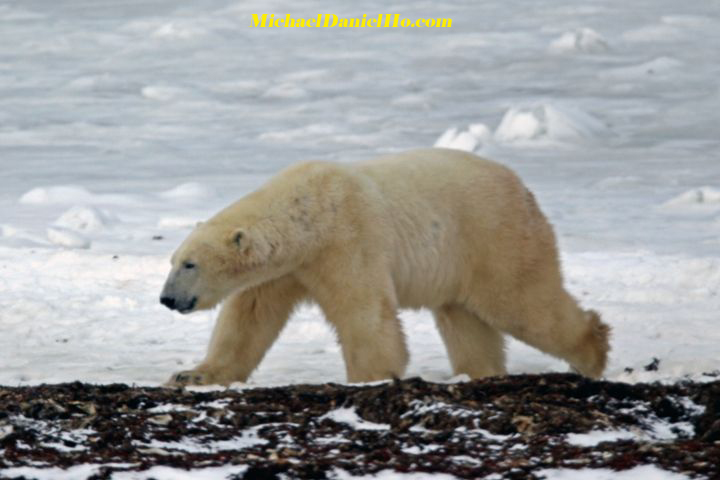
(434, 228)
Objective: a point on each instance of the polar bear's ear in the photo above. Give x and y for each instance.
(252, 244)
(237, 237)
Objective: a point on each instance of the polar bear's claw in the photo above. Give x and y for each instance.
(185, 378)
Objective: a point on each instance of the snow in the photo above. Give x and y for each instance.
(389, 475)
(53, 473)
(350, 417)
(583, 40)
(248, 438)
(167, 473)
(644, 472)
(122, 125)
(84, 219)
(547, 122)
(594, 438)
(66, 237)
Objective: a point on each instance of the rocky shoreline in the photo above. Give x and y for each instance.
(514, 427)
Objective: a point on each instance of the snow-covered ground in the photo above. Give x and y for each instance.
(123, 123)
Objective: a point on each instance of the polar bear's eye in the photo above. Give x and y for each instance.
(188, 265)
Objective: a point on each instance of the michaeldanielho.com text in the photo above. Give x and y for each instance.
(329, 20)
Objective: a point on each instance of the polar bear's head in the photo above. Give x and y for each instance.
(213, 262)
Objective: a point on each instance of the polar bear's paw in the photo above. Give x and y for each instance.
(189, 378)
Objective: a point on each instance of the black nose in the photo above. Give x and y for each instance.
(168, 302)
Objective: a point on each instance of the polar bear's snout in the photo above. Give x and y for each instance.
(169, 302)
(176, 294)
(181, 305)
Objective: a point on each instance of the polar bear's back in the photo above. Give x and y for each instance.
(446, 208)
(451, 184)
(427, 173)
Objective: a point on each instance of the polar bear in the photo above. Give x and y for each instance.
(435, 228)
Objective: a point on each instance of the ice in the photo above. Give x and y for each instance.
(162, 93)
(85, 219)
(70, 194)
(547, 123)
(175, 30)
(123, 125)
(652, 34)
(695, 197)
(412, 101)
(656, 66)
(60, 194)
(285, 91)
(177, 222)
(584, 40)
(66, 237)
(469, 140)
(308, 131)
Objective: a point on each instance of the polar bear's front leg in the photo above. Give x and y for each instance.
(371, 337)
(248, 324)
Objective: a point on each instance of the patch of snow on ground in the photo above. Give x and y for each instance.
(159, 472)
(350, 417)
(66, 237)
(644, 472)
(390, 475)
(53, 473)
(591, 439)
(246, 439)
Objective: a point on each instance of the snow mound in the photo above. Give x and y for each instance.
(84, 219)
(584, 40)
(71, 194)
(65, 237)
(468, 140)
(59, 194)
(548, 123)
(187, 191)
(696, 196)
